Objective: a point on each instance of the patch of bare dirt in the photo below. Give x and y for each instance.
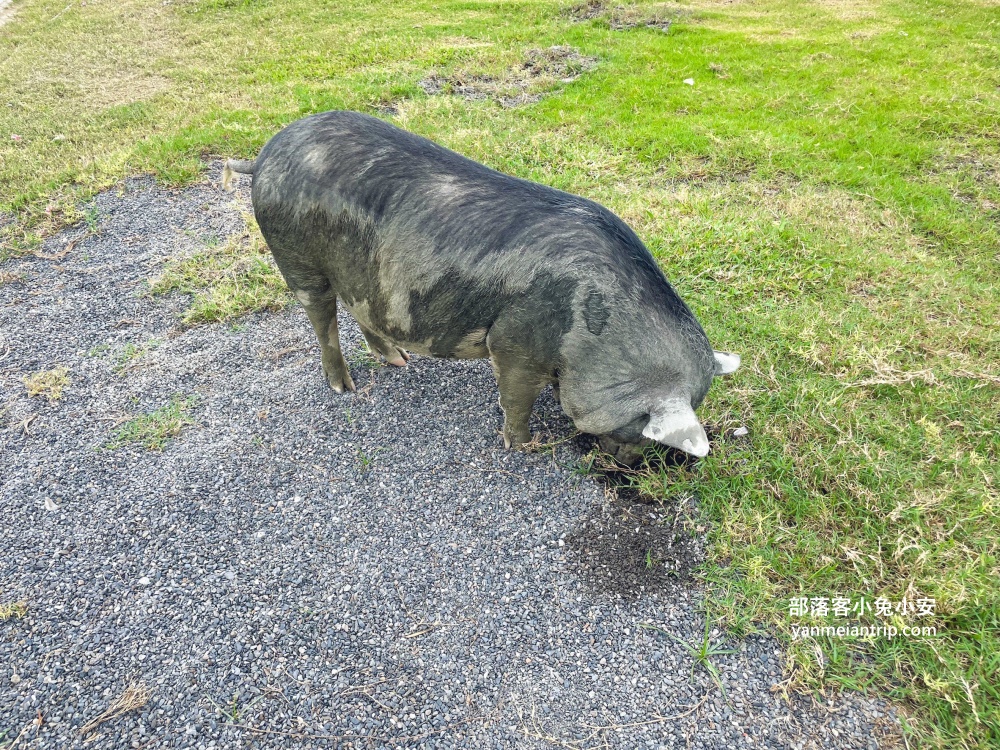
(6, 11)
(587, 11)
(620, 17)
(387, 108)
(972, 178)
(542, 69)
(629, 548)
(561, 62)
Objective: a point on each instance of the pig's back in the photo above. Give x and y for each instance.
(434, 229)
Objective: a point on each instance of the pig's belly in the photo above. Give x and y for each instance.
(470, 345)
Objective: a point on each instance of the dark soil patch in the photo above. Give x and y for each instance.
(587, 11)
(561, 62)
(630, 548)
(542, 69)
(620, 18)
(386, 107)
(637, 543)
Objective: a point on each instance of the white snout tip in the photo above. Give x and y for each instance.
(700, 450)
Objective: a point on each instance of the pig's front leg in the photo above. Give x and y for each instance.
(520, 383)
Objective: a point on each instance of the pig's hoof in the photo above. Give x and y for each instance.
(341, 383)
(400, 359)
(516, 439)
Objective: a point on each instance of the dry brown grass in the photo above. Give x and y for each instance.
(48, 383)
(115, 87)
(13, 610)
(135, 697)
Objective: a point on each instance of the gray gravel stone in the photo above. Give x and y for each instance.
(271, 590)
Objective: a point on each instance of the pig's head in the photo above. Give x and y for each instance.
(636, 380)
(669, 421)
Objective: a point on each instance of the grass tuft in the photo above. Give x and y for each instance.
(13, 610)
(48, 383)
(225, 281)
(701, 653)
(154, 430)
(129, 354)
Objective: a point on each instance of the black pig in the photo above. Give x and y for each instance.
(439, 255)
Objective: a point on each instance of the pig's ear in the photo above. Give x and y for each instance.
(726, 363)
(673, 422)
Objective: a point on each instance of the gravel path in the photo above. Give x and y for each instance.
(301, 569)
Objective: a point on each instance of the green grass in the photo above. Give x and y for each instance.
(825, 196)
(701, 652)
(362, 356)
(129, 354)
(225, 280)
(154, 430)
(366, 459)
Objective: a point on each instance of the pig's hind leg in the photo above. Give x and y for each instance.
(321, 307)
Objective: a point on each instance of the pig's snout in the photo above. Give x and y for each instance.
(625, 453)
